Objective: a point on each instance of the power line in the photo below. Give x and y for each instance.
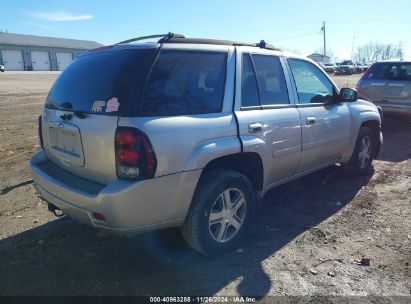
(297, 36)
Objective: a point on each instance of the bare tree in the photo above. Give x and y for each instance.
(375, 51)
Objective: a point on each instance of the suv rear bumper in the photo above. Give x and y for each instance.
(391, 107)
(129, 207)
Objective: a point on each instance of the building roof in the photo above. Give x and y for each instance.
(317, 54)
(18, 39)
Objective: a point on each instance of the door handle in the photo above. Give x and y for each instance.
(310, 121)
(255, 128)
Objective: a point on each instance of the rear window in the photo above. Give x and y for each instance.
(390, 71)
(108, 83)
(249, 90)
(263, 81)
(185, 82)
(271, 81)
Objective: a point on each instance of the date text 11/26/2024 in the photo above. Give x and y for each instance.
(234, 299)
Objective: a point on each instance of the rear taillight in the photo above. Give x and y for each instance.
(135, 158)
(365, 75)
(99, 216)
(40, 132)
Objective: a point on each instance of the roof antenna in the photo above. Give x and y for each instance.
(262, 44)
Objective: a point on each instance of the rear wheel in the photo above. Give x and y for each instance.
(220, 212)
(361, 160)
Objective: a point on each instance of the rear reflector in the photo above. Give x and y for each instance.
(40, 131)
(99, 216)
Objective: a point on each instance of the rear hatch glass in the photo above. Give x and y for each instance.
(93, 80)
(390, 71)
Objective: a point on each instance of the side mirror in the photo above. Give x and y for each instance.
(348, 94)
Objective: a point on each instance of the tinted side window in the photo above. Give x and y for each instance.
(271, 81)
(249, 91)
(312, 85)
(185, 82)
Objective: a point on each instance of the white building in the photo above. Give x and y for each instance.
(38, 53)
(319, 58)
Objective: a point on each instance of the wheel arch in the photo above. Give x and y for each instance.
(375, 125)
(247, 163)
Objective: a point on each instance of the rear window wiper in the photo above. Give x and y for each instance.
(66, 106)
(69, 106)
(80, 114)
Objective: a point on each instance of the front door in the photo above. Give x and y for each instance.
(325, 123)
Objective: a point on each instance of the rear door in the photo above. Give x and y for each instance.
(269, 123)
(388, 84)
(83, 106)
(325, 124)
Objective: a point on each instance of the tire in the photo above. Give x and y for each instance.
(213, 237)
(360, 162)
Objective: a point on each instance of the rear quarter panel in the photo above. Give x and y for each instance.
(184, 143)
(189, 142)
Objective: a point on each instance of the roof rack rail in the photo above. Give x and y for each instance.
(164, 37)
(177, 39)
(262, 45)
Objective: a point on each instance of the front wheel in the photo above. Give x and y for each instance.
(361, 160)
(220, 212)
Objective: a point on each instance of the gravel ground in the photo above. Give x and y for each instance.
(310, 237)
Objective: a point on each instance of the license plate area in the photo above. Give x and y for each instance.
(65, 144)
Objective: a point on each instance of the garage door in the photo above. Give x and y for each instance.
(63, 60)
(12, 60)
(40, 61)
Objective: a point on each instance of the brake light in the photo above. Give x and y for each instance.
(99, 216)
(135, 158)
(128, 157)
(365, 75)
(40, 131)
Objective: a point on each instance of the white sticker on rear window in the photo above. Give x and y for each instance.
(98, 106)
(112, 105)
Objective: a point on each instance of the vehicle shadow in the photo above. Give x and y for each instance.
(396, 130)
(66, 258)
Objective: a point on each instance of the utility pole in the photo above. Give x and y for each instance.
(352, 49)
(400, 51)
(325, 45)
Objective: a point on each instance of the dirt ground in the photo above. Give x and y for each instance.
(309, 238)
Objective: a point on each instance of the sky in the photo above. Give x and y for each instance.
(293, 25)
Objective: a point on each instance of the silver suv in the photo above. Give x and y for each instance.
(192, 133)
(388, 84)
